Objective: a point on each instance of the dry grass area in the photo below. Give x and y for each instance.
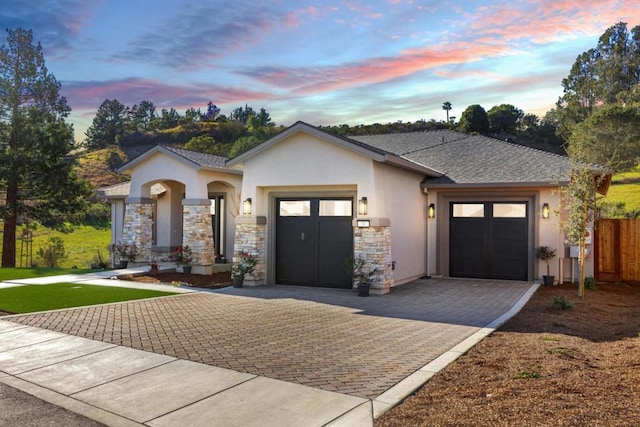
(546, 366)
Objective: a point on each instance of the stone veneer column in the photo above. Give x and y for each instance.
(374, 245)
(197, 231)
(251, 237)
(138, 226)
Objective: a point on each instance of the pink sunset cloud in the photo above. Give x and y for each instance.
(89, 95)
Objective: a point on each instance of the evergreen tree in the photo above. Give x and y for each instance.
(36, 176)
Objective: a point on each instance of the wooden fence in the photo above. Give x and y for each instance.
(617, 250)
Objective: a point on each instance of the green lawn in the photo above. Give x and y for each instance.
(24, 273)
(28, 299)
(625, 188)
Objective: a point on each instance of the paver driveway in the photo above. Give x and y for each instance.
(324, 338)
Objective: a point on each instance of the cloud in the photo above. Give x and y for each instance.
(88, 95)
(308, 80)
(198, 35)
(55, 23)
(550, 20)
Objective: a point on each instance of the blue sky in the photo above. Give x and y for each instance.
(324, 62)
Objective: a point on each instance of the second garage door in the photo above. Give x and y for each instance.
(489, 240)
(314, 237)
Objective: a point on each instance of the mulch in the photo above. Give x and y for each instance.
(545, 366)
(208, 281)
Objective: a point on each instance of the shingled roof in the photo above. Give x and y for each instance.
(473, 159)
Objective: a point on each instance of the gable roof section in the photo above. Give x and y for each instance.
(474, 159)
(371, 151)
(122, 191)
(192, 158)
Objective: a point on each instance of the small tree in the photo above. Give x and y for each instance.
(545, 253)
(579, 199)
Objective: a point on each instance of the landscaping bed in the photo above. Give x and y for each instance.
(209, 281)
(546, 366)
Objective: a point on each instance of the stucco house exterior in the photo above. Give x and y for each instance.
(436, 203)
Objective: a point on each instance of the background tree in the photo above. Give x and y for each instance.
(447, 107)
(504, 118)
(37, 178)
(610, 137)
(600, 76)
(206, 144)
(142, 115)
(474, 120)
(108, 126)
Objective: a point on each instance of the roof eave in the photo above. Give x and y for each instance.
(546, 184)
(411, 165)
(126, 168)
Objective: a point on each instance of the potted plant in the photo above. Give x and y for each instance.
(361, 274)
(545, 253)
(126, 252)
(246, 265)
(183, 256)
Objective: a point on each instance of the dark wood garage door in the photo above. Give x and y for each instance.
(489, 240)
(313, 239)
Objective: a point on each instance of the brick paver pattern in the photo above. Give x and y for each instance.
(324, 338)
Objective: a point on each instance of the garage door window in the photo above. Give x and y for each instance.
(336, 208)
(509, 210)
(295, 208)
(468, 210)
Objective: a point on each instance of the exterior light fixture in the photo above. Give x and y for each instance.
(362, 206)
(545, 211)
(246, 206)
(431, 211)
(364, 223)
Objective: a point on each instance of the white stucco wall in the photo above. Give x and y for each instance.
(304, 164)
(303, 161)
(399, 194)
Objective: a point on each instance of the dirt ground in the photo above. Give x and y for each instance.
(546, 366)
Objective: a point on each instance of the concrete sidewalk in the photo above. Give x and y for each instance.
(119, 385)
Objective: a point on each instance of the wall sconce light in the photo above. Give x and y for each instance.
(246, 206)
(431, 211)
(362, 206)
(545, 211)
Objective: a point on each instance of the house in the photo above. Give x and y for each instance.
(438, 203)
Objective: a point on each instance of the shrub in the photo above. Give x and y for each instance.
(561, 303)
(99, 263)
(53, 252)
(590, 283)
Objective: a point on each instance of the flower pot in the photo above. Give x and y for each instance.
(363, 289)
(186, 269)
(123, 264)
(238, 281)
(548, 280)
(154, 268)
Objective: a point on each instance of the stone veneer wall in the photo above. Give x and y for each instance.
(251, 237)
(374, 245)
(197, 231)
(138, 226)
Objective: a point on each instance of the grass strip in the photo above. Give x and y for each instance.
(25, 273)
(28, 299)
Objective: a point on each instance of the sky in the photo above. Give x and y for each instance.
(323, 62)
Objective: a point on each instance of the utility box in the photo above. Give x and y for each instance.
(574, 251)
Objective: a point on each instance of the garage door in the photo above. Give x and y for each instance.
(313, 239)
(489, 240)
